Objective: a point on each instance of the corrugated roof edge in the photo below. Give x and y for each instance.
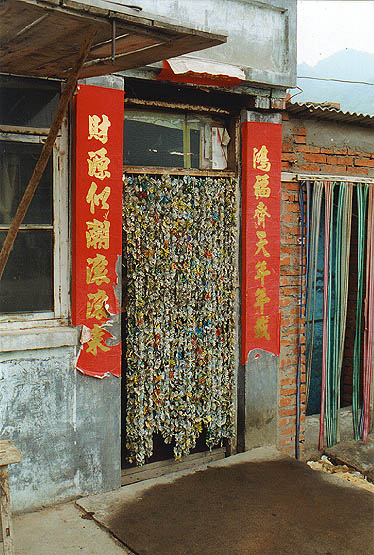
(329, 112)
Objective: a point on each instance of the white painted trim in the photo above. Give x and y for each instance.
(17, 318)
(31, 320)
(288, 176)
(22, 138)
(41, 321)
(61, 224)
(38, 338)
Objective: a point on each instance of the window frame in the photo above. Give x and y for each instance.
(61, 252)
(229, 119)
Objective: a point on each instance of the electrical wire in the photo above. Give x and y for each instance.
(335, 80)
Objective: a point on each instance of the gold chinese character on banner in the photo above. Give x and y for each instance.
(94, 199)
(262, 243)
(95, 305)
(96, 271)
(261, 299)
(98, 163)
(97, 130)
(260, 214)
(261, 327)
(97, 234)
(260, 159)
(96, 341)
(262, 271)
(261, 186)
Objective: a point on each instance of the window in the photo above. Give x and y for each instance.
(34, 284)
(174, 140)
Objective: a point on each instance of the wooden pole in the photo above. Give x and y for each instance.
(6, 520)
(40, 166)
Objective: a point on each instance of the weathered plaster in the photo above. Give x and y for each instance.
(332, 134)
(113, 325)
(66, 425)
(261, 399)
(261, 35)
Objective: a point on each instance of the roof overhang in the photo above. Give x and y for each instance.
(312, 110)
(41, 38)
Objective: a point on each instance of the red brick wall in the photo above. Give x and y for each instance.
(291, 326)
(299, 155)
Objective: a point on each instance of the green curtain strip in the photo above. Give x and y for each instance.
(330, 308)
(362, 193)
(368, 366)
(339, 245)
(333, 366)
(312, 278)
(341, 237)
(345, 254)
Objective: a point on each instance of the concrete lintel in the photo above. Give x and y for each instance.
(250, 115)
(105, 81)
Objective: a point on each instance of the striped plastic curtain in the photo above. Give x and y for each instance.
(335, 199)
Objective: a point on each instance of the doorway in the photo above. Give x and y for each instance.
(179, 274)
(339, 305)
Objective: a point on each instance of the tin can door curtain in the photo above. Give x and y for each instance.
(339, 230)
(179, 240)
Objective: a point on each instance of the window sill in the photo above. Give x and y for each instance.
(158, 170)
(38, 338)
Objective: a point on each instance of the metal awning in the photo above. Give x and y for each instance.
(41, 38)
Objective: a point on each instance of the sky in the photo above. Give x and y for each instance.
(326, 27)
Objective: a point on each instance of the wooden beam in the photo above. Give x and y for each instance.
(9, 453)
(193, 172)
(176, 106)
(41, 164)
(5, 512)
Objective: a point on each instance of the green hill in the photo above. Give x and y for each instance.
(349, 65)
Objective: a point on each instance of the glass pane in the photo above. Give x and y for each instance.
(195, 143)
(27, 282)
(28, 102)
(17, 162)
(174, 140)
(152, 139)
(208, 142)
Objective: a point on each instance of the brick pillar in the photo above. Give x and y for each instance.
(291, 326)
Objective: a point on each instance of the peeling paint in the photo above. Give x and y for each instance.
(113, 326)
(118, 285)
(66, 425)
(97, 235)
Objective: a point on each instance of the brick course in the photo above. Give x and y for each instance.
(290, 322)
(300, 156)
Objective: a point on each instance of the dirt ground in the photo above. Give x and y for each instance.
(269, 507)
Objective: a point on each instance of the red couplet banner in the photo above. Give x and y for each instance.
(97, 228)
(261, 163)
